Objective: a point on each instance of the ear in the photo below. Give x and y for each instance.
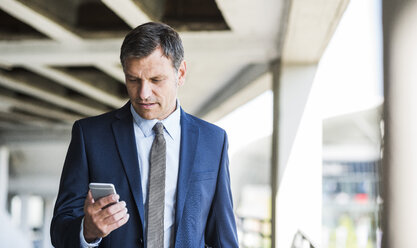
(181, 73)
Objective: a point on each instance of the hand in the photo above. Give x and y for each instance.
(101, 218)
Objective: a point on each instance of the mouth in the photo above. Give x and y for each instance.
(146, 105)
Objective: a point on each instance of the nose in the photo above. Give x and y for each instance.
(145, 91)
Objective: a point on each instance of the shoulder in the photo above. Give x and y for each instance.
(105, 119)
(98, 118)
(203, 126)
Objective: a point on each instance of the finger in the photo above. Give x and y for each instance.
(111, 210)
(90, 197)
(88, 200)
(119, 223)
(102, 202)
(116, 217)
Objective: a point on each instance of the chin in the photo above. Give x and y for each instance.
(147, 116)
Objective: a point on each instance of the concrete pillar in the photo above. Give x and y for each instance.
(10, 236)
(24, 213)
(275, 68)
(400, 151)
(4, 177)
(296, 156)
(48, 213)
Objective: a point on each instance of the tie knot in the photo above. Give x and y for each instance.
(158, 128)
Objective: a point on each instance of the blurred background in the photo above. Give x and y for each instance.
(318, 99)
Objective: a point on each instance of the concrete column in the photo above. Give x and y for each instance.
(400, 151)
(275, 68)
(48, 213)
(296, 156)
(24, 214)
(4, 177)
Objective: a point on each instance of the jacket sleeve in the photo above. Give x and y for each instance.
(73, 188)
(221, 225)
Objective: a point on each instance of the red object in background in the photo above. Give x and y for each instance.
(361, 198)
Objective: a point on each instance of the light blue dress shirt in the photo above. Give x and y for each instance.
(144, 137)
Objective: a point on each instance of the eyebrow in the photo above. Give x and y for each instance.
(128, 75)
(161, 76)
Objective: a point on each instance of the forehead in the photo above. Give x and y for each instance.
(154, 61)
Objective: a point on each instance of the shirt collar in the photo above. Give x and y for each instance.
(171, 123)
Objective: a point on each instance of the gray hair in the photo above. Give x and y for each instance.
(144, 39)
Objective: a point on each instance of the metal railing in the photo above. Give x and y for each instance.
(301, 241)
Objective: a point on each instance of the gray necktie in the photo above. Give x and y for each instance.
(156, 194)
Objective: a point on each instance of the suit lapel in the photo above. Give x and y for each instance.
(188, 148)
(126, 145)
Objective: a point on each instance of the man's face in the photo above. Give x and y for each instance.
(152, 84)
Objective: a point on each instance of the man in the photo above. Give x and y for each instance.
(170, 169)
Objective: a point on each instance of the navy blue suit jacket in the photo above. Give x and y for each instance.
(103, 149)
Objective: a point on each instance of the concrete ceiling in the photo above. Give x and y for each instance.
(59, 60)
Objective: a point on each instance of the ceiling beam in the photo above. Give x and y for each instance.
(28, 119)
(59, 33)
(78, 85)
(241, 15)
(242, 79)
(92, 52)
(112, 70)
(35, 108)
(58, 54)
(47, 96)
(7, 125)
(251, 91)
(128, 11)
(38, 21)
(310, 27)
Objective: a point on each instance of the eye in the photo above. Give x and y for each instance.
(156, 80)
(131, 79)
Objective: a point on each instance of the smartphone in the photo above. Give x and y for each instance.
(99, 190)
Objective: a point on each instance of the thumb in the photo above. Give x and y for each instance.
(89, 199)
